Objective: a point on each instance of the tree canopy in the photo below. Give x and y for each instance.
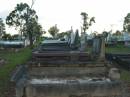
(126, 25)
(86, 21)
(53, 31)
(2, 28)
(25, 18)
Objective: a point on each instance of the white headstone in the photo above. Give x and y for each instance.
(83, 42)
(72, 37)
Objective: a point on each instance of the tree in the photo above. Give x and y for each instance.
(7, 37)
(35, 28)
(86, 21)
(118, 33)
(2, 28)
(62, 34)
(22, 17)
(86, 24)
(53, 31)
(126, 25)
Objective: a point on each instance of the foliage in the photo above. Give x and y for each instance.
(118, 49)
(15, 36)
(126, 25)
(125, 75)
(86, 21)
(34, 29)
(117, 33)
(2, 27)
(53, 31)
(24, 18)
(61, 35)
(7, 37)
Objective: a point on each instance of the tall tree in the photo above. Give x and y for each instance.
(53, 31)
(2, 28)
(126, 25)
(7, 37)
(62, 34)
(35, 28)
(22, 17)
(86, 21)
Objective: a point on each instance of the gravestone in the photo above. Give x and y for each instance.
(102, 52)
(72, 38)
(99, 46)
(76, 42)
(96, 45)
(83, 42)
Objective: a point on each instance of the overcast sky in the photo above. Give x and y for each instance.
(66, 13)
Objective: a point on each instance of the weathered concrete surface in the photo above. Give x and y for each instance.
(73, 88)
(67, 71)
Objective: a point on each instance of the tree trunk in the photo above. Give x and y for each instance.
(30, 39)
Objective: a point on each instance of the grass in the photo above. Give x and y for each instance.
(125, 75)
(13, 59)
(118, 49)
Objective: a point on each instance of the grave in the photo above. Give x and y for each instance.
(58, 72)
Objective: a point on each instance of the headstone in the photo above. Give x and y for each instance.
(96, 45)
(76, 41)
(83, 41)
(72, 38)
(102, 52)
(99, 47)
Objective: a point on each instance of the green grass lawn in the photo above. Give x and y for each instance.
(13, 59)
(118, 49)
(125, 75)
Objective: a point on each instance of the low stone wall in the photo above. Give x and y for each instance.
(85, 89)
(66, 71)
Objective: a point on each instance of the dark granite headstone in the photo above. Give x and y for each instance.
(96, 45)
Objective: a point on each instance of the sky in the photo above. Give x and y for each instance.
(109, 14)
